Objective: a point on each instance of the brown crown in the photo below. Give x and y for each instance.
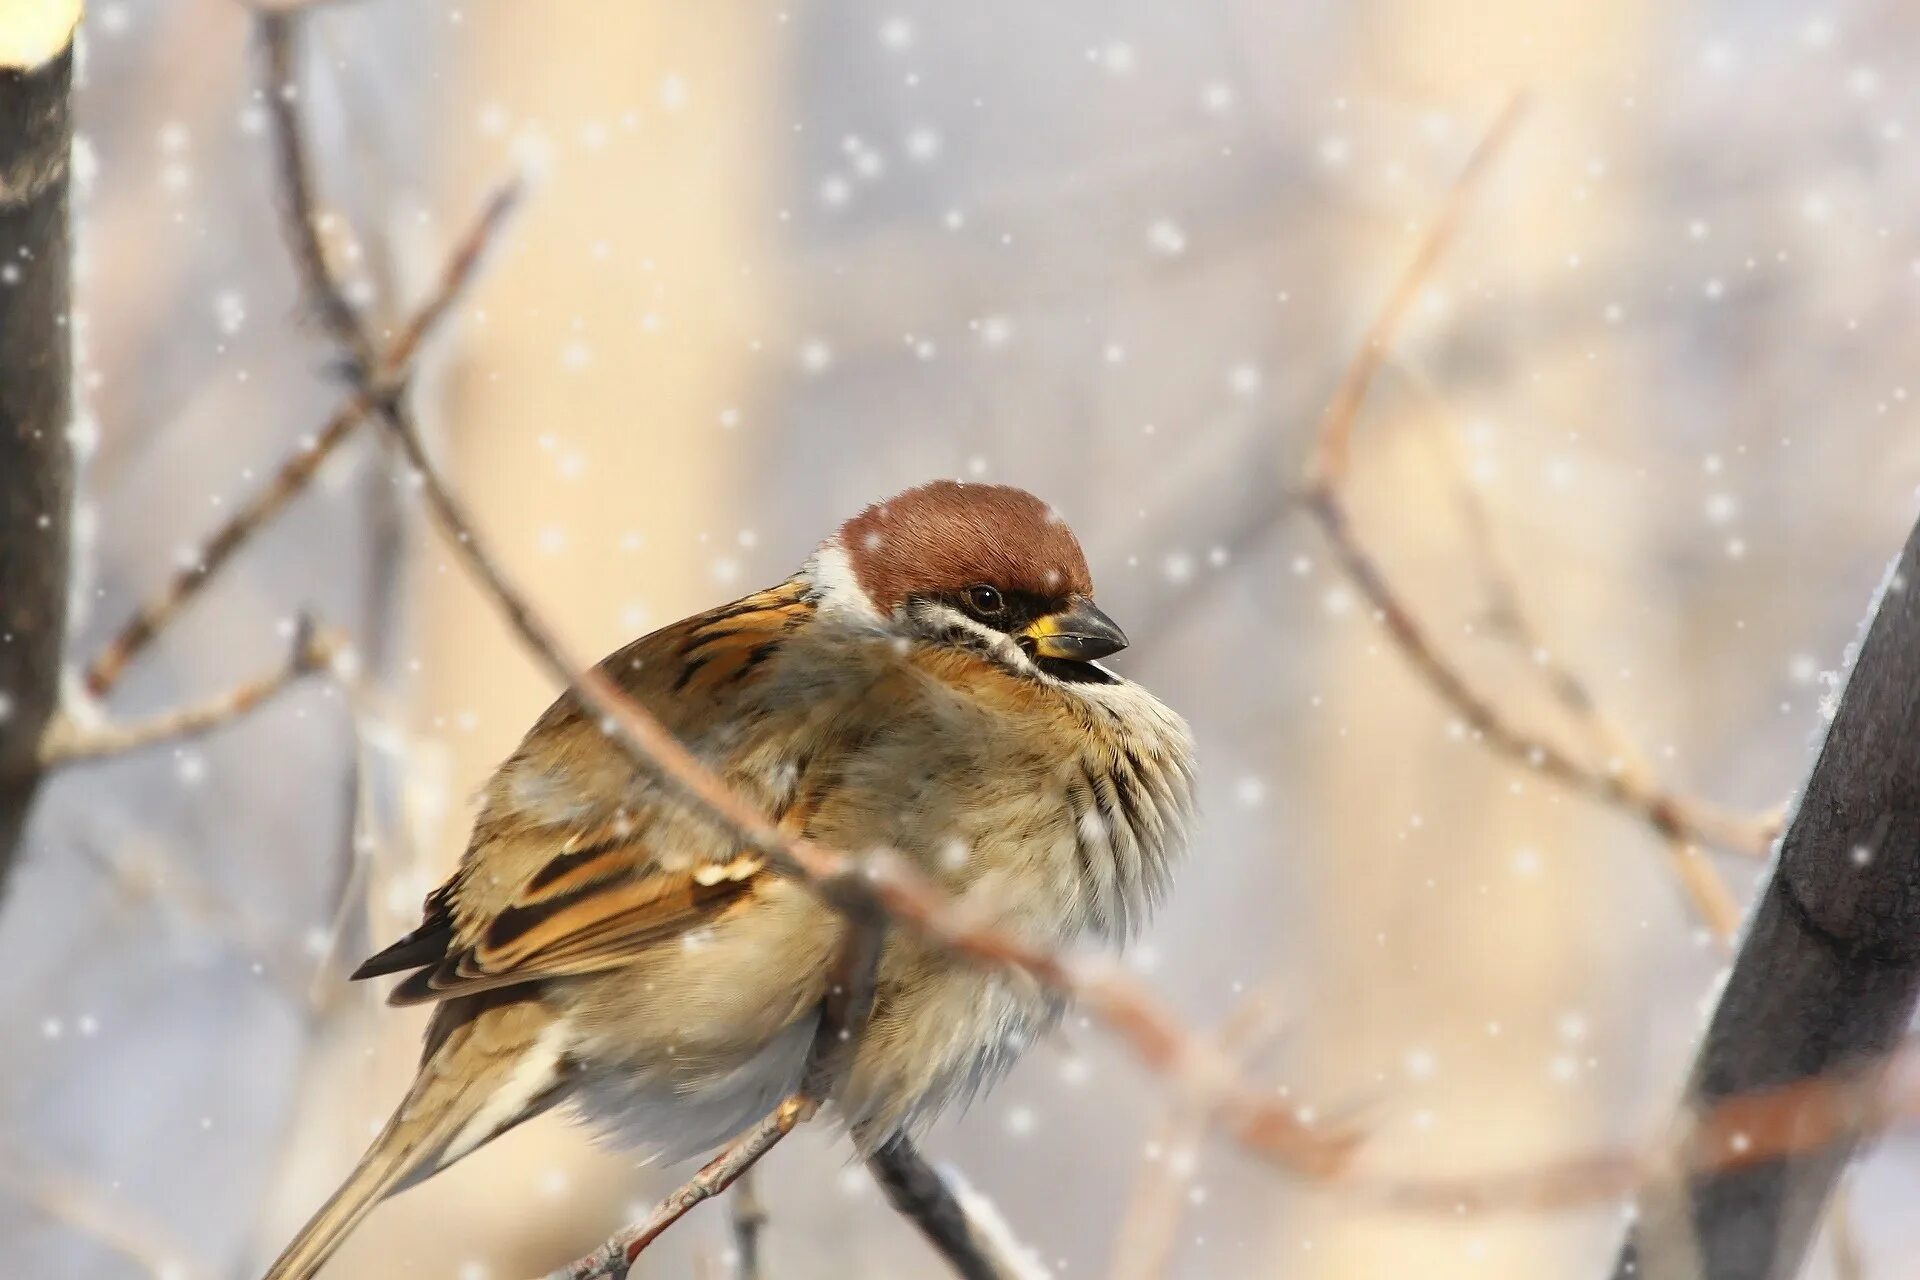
(947, 536)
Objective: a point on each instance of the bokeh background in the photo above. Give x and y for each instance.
(781, 261)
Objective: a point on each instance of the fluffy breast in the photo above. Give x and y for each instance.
(1131, 803)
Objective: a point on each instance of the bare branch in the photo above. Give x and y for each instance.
(1828, 974)
(1624, 781)
(68, 741)
(298, 471)
(1680, 821)
(918, 1193)
(279, 42)
(843, 1017)
(612, 1260)
(1329, 467)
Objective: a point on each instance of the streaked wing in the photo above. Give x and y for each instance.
(575, 866)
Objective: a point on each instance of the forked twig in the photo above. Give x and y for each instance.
(1623, 780)
(297, 472)
(69, 741)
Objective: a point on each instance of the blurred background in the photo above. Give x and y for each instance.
(780, 262)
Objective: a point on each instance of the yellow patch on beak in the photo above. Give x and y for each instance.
(1078, 633)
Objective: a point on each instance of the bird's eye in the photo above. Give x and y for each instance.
(986, 601)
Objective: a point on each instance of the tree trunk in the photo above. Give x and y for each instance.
(36, 366)
(1828, 973)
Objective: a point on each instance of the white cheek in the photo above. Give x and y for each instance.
(830, 570)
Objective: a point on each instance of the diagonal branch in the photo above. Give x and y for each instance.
(963, 1236)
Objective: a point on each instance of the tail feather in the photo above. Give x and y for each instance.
(386, 1165)
(490, 1066)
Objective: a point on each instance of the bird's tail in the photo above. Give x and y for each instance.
(487, 1068)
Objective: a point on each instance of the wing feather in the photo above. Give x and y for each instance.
(568, 873)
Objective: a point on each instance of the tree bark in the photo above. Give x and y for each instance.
(918, 1192)
(36, 368)
(1827, 976)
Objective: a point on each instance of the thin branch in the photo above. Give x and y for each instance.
(1712, 898)
(1336, 423)
(972, 1239)
(294, 475)
(613, 1260)
(69, 741)
(1677, 819)
(843, 1017)
(279, 41)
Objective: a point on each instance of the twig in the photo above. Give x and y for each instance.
(278, 32)
(614, 1259)
(748, 1219)
(68, 741)
(966, 1239)
(843, 1017)
(298, 471)
(1336, 423)
(1681, 821)
(1671, 815)
(1713, 900)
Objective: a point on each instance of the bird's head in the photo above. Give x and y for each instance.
(981, 566)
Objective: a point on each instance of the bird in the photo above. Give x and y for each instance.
(928, 683)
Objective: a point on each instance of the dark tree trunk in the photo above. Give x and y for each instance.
(36, 464)
(1826, 977)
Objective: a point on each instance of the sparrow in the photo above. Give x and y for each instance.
(927, 683)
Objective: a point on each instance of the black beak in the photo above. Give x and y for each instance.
(1078, 633)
